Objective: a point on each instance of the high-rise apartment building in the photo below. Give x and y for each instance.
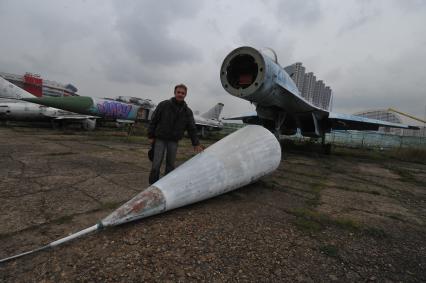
(297, 73)
(316, 92)
(325, 98)
(309, 81)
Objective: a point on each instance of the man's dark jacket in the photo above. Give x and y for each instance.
(170, 120)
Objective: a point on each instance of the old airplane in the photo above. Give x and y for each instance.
(249, 74)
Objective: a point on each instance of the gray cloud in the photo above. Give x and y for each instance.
(145, 28)
(410, 5)
(362, 14)
(375, 84)
(262, 36)
(298, 13)
(144, 45)
(254, 32)
(142, 48)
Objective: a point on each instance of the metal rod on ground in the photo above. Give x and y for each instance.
(55, 243)
(235, 161)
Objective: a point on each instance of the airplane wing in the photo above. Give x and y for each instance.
(248, 118)
(242, 116)
(351, 122)
(208, 125)
(70, 116)
(81, 117)
(123, 121)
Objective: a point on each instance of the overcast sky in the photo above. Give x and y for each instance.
(371, 52)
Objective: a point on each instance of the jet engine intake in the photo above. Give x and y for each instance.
(249, 74)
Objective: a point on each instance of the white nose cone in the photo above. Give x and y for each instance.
(235, 161)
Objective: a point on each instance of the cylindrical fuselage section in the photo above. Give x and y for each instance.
(17, 111)
(105, 108)
(235, 161)
(249, 74)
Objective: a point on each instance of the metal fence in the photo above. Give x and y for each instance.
(374, 139)
(367, 139)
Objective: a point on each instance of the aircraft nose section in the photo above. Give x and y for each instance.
(242, 71)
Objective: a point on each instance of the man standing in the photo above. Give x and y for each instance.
(169, 121)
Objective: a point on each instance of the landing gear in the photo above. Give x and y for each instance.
(326, 147)
(130, 128)
(279, 121)
(203, 132)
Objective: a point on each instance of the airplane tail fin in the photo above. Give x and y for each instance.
(213, 113)
(11, 91)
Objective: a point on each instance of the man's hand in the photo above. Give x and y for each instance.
(198, 148)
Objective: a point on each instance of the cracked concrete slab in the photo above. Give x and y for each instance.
(316, 218)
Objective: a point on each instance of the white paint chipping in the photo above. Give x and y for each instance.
(235, 161)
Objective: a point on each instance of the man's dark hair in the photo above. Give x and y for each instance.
(181, 86)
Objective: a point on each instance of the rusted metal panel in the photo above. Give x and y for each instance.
(149, 202)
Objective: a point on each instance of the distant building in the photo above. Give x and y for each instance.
(309, 81)
(38, 86)
(380, 114)
(297, 74)
(325, 98)
(316, 92)
(389, 116)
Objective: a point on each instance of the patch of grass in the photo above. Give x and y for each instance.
(308, 225)
(347, 224)
(135, 139)
(417, 155)
(119, 137)
(316, 189)
(375, 232)
(349, 189)
(313, 201)
(63, 219)
(4, 236)
(109, 205)
(61, 153)
(305, 174)
(373, 153)
(308, 218)
(329, 250)
(396, 217)
(405, 175)
(213, 136)
(310, 214)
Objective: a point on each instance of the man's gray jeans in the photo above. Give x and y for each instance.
(160, 147)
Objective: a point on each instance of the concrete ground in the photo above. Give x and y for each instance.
(341, 217)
